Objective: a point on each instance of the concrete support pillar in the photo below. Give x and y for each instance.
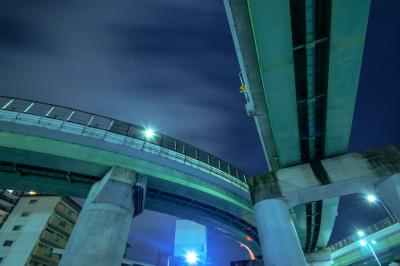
(100, 234)
(388, 191)
(279, 242)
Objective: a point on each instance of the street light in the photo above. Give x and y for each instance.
(191, 258)
(149, 133)
(371, 198)
(365, 243)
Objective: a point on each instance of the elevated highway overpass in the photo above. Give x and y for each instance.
(384, 237)
(57, 150)
(300, 63)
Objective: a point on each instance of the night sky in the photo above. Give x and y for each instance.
(172, 65)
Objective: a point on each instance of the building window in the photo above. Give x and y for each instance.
(24, 214)
(1, 259)
(17, 227)
(8, 243)
(32, 201)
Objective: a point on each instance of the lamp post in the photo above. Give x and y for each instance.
(371, 198)
(363, 242)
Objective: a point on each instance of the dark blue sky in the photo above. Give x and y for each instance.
(171, 64)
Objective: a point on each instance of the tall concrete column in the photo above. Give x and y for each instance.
(279, 242)
(100, 234)
(388, 191)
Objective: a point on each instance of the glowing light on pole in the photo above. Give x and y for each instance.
(371, 198)
(191, 258)
(149, 133)
(365, 243)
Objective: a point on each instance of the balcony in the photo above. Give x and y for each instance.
(5, 205)
(7, 196)
(53, 239)
(66, 213)
(60, 225)
(43, 254)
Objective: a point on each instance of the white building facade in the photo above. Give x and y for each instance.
(36, 226)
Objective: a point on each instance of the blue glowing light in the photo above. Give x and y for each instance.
(191, 257)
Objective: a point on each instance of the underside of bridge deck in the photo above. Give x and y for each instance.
(300, 62)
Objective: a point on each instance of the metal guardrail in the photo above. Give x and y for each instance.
(380, 225)
(111, 130)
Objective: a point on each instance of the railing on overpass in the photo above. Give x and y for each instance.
(380, 225)
(111, 130)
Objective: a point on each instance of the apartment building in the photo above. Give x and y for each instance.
(36, 226)
(8, 200)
